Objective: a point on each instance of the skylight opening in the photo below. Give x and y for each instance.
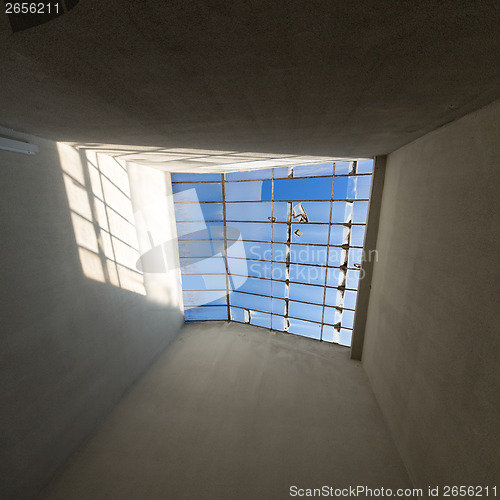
(279, 248)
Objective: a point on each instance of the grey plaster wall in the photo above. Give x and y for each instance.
(70, 346)
(231, 411)
(431, 347)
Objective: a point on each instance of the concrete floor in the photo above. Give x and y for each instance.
(233, 411)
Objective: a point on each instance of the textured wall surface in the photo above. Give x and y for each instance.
(70, 345)
(231, 411)
(348, 79)
(431, 346)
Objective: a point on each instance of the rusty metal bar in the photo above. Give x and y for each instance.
(267, 222)
(264, 179)
(287, 262)
(273, 219)
(262, 295)
(262, 241)
(268, 201)
(266, 312)
(326, 266)
(261, 278)
(327, 256)
(225, 245)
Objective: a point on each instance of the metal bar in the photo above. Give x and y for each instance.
(17, 146)
(225, 245)
(272, 240)
(265, 222)
(327, 256)
(192, 306)
(264, 179)
(287, 263)
(261, 278)
(261, 295)
(261, 241)
(264, 201)
(197, 259)
(265, 312)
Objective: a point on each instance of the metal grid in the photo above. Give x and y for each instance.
(325, 308)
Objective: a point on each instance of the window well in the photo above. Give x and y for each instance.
(279, 248)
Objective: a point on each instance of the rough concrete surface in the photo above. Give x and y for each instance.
(69, 345)
(294, 78)
(232, 411)
(431, 343)
(323, 78)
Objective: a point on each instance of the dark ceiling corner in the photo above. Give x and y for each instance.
(37, 12)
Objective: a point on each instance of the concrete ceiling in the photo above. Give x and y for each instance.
(328, 77)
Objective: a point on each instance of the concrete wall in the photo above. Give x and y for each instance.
(71, 343)
(231, 411)
(431, 347)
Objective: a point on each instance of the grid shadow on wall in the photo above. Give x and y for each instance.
(278, 248)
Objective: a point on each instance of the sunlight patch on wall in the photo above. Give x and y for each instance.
(203, 160)
(156, 234)
(102, 214)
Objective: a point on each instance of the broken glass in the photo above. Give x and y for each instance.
(325, 169)
(249, 174)
(255, 245)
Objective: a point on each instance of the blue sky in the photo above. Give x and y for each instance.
(312, 295)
